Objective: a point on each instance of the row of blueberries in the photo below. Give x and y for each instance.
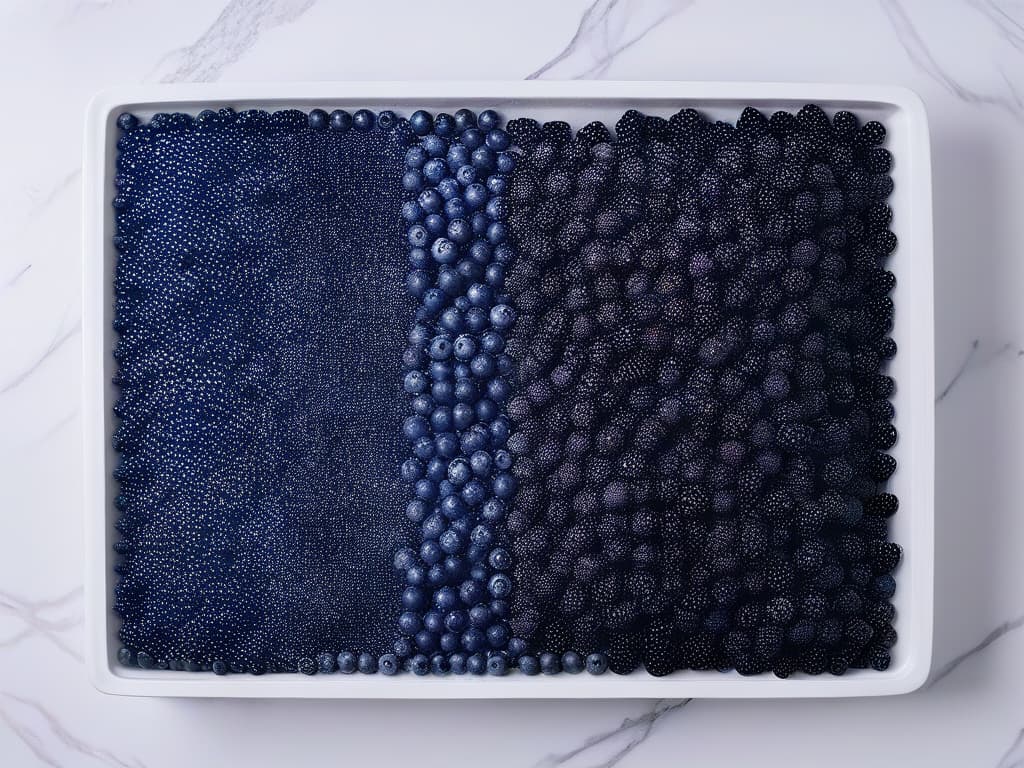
(347, 663)
(455, 607)
(340, 120)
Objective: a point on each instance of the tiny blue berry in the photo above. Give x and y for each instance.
(476, 664)
(421, 122)
(488, 120)
(550, 663)
(497, 665)
(420, 664)
(388, 664)
(340, 121)
(528, 665)
(346, 662)
(572, 662)
(597, 663)
(363, 120)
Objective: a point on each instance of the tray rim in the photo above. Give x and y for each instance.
(108, 677)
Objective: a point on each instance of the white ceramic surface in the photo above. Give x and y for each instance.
(579, 103)
(962, 56)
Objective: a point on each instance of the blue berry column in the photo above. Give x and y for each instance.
(458, 583)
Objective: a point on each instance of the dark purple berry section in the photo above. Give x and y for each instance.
(701, 419)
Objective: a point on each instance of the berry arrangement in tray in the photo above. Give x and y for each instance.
(440, 394)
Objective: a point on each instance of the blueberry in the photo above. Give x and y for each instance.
(473, 639)
(412, 181)
(458, 157)
(340, 121)
(449, 189)
(460, 231)
(500, 585)
(463, 415)
(496, 183)
(572, 662)
(499, 559)
(307, 666)
(416, 575)
(413, 598)
(421, 122)
(346, 662)
(409, 622)
(447, 445)
(549, 663)
(497, 635)
(496, 233)
(418, 236)
(455, 208)
(326, 663)
(444, 250)
(476, 319)
(516, 647)
(472, 139)
(472, 592)
(435, 224)
(453, 506)
(318, 119)
(476, 664)
(419, 664)
(446, 598)
(127, 121)
(498, 140)
(480, 615)
(388, 664)
(464, 118)
(363, 120)
(457, 662)
(473, 493)
(367, 663)
(439, 664)
(404, 558)
(434, 170)
(528, 665)
(145, 661)
(456, 621)
(413, 214)
(497, 665)
(430, 201)
(425, 489)
(504, 485)
(498, 390)
(450, 642)
(465, 347)
(502, 316)
(415, 427)
(466, 175)
(444, 125)
(597, 663)
(221, 668)
(488, 120)
(503, 459)
(434, 145)
(476, 196)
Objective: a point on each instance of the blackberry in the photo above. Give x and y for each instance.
(624, 651)
(882, 467)
(883, 436)
(871, 134)
(814, 660)
(879, 658)
(882, 505)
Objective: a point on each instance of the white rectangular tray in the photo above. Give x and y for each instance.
(577, 102)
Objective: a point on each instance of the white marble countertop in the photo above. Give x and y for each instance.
(965, 58)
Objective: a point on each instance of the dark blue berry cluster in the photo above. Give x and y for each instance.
(458, 375)
(254, 250)
(701, 419)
